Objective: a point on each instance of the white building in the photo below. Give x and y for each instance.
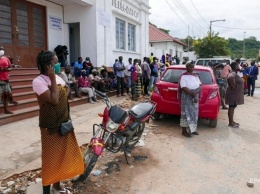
(162, 43)
(99, 29)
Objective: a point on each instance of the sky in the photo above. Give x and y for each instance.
(183, 17)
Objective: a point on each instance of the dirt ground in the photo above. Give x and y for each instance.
(219, 160)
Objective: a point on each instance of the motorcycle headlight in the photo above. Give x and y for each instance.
(111, 126)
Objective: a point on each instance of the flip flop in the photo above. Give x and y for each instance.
(8, 112)
(236, 123)
(64, 191)
(233, 125)
(14, 102)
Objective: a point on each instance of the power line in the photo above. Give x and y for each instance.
(256, 29)
(198, 12)
(188, 14)
(177, 14)
(198, 29)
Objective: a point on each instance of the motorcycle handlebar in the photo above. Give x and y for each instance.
(101, 94)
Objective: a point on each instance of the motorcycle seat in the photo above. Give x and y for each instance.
(117, 114)
(141, 110)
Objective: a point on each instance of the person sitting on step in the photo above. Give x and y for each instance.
(85, 87)
(70, 80)
(96, 81)
(106, 79)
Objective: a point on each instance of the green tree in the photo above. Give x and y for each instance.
(210, 46)
(237, 47)
(188, 41)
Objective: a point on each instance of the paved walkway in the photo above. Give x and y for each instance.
(20, 141)
(21, 146)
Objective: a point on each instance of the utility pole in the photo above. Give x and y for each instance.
(188, 42)
(212, 22)
(244, 46)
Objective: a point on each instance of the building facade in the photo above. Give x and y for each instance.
(161, 43)
(99, 29)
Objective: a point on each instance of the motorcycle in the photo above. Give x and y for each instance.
(120, 130)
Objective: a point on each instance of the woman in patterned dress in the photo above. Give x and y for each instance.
(190, 88)
(61, 156)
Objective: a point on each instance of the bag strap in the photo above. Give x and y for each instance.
(67, 104)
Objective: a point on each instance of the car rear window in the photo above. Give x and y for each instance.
(173, 76)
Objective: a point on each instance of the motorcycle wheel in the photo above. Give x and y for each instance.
(137, 135)
(90, 159)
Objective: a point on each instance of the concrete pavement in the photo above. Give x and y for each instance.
(21, 145)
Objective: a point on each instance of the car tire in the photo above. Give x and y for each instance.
(213, 123)
(156, 116)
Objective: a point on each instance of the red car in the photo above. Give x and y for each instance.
(165, 93)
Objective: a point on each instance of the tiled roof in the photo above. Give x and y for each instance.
(156, 35)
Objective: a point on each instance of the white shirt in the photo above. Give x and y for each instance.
(238, 72)
(127, 68)
(189, 81)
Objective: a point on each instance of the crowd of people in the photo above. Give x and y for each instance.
(235, 81)
(124, 77)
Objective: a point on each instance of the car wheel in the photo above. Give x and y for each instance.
(156, 116)
(213, 123)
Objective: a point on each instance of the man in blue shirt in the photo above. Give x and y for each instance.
(252, 76)
(78, 66)
(120, 74)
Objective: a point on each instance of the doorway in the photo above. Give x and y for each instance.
(74, 39)
(22, 31)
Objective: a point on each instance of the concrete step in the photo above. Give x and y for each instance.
(29, 108)
(24, 70)
(23, 75)
(19, 115)
(24, 95)
(21, 82)
(27, 103)
(22, 88)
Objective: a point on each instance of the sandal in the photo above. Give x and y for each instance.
(195, 133)
(185, 133)
(236, 123)
(14, 102)
(64, 191)
(233, 125)
(8, 112)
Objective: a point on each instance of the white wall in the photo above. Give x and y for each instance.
(86, 16)
(160, 48)
(98, 41)
(190, 56)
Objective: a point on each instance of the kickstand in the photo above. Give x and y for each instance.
(126, 157)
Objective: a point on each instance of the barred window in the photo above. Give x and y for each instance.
(131, 37)
(120, 34)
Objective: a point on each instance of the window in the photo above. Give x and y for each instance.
(120, 34)
(131, 37)
(173, 76)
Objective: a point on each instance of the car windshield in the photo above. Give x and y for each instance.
(173, 76)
